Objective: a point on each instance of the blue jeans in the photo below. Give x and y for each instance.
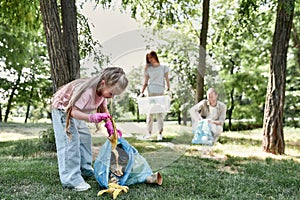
(74, 155)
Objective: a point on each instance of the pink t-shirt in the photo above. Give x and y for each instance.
(88, 102)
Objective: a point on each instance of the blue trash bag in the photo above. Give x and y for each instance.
(135, 168)
(203, 134)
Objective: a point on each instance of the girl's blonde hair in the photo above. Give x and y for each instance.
(113, 76)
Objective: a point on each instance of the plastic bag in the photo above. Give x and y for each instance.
(203, 134)
(134, 167)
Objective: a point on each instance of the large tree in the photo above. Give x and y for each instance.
(202, 52)
(62, 40)
(273, 140)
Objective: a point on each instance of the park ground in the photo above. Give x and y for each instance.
(234, 168)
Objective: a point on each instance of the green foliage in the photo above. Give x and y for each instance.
(292, 95)
(30, 148)
(159, 13)
(240, 125)
(248, 7)
(26, 148)
(22, 148)
(20, 15)
(88, 46)
(244, 54)
(180, 53)
(47, 140)
(25, 72)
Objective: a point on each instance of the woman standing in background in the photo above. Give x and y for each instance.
(155, 77)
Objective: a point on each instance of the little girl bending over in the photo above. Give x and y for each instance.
(72, 105)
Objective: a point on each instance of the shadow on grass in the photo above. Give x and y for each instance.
(239, 141)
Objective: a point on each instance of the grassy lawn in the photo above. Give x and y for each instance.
(235, 168)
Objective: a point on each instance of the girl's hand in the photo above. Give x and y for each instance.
(98, 117)
(110, 129)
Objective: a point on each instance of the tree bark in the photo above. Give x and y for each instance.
(56, 51)
(28, 105)
(11, 96)
(70, 37)
(231, 108)
(273, 137)
(202, 53)
(232, 100)
(1, 113)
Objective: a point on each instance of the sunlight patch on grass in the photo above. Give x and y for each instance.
(246, 144)
(14, 135)
(249, 144)
(253, 151)
(19, 131)
(255, 134)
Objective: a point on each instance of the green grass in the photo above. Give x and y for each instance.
(234, 169)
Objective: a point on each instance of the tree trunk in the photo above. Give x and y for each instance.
(11, 96)
(273, 137)
(179, 117)
(231, 108)
(202, 53)
(137, 113)
(184, 117)
(0, 113)
(28, 105)
(70, 37)
(232, 101)
(57, 54)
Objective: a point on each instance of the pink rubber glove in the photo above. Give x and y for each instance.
(98, 117)
(110, 129)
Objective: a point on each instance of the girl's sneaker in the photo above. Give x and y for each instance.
(82, 187)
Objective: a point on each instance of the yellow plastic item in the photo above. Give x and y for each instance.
(114, 189)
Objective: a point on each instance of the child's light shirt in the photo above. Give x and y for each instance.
(88, 102)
